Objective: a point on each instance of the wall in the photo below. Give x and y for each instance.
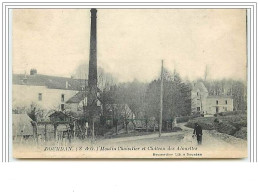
(198, 100)
(24, 95)
(211, 105)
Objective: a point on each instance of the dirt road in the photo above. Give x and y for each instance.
(169, 145)
(214, 144)
(218, 143)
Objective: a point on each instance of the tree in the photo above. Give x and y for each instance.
(104, 81)
(176, 97)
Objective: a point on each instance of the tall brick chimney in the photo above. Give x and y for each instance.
(92, 75)
(92, 78)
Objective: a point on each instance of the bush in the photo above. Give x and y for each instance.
(237, 121)
(239, 124)
(238, 112)
(226, 128)
(205, 123)
(242, 133)
(235, 125)
(183, 119)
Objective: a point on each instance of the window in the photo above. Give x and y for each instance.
(40, 96)
(226, 102)
(62, 97)
(197, 93)
(217, 102)
(198, 109)
(62, 107)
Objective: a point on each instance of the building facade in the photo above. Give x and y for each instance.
(46, 92)
(203, 103)
(79, 100)
(216, 104)
(199, 95)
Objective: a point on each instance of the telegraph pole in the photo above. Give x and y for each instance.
(161, 100)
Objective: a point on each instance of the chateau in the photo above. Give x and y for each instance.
(203, 103)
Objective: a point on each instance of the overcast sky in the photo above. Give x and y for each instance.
(132, 42)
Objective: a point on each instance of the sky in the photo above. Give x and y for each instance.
(132, 42)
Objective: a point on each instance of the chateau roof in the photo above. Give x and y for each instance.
(200, 86)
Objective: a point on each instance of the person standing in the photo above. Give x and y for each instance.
(198, 132)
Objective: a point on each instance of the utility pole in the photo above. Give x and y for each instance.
(93, 131)
(161, 100)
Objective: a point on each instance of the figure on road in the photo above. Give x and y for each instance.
(198, 132)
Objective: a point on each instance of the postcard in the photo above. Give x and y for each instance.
(129, 83)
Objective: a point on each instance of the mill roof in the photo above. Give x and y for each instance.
(52, 82)
(80, 96)
(77, 98)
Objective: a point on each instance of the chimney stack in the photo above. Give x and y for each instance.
(92, 76)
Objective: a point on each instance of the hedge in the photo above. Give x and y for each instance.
(205, 123)
(238, 112)
(184, 119)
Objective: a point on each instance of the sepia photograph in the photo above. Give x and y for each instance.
(129, 83)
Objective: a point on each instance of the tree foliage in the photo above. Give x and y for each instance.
(176, 97)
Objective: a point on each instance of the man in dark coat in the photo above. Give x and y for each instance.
(198, 132)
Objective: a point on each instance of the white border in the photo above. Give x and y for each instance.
(6, 110)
